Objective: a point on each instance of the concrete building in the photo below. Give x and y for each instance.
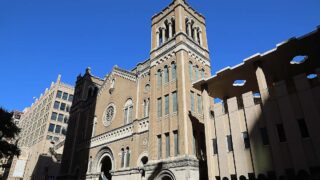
(267, 122)
(43, 128)
(147, 122)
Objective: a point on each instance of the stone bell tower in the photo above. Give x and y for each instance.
(179, 56)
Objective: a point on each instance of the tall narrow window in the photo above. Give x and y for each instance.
(246, 139)
(192, 101)
(159, 78)
(202, 73)
(303, 128)
(176, 143)
(196, 73)
(146, 107)
(229, 143)
(199, 104)
(174, 102)
(128, 111)
(159, 147)
(264, 136)
(159, 107)
(167, 145)
(215, 146)
(51, 127)
(166, 103)
(58, 129)
(281, 133)
(122, 157)
(127, 157)
(190, 70)
(166, 74)
(63, 107)
(173, 71)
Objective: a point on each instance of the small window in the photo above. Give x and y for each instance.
(215, 146)
(122, 157)
(59, 94)
(70, 98)
(303, 128)
(60, 117)
(65, 96)
(166, 74)
(63, 107)
(54, 116)
(51, 127)
(264, 136)
(56, 105)
(246, 139)
(58, 129)
(229, 143)
(173, 71)
(199, 104)
(281, 133)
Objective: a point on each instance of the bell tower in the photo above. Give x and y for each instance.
(179, 56)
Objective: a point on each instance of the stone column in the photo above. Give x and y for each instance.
(170, 30)
(163, 35)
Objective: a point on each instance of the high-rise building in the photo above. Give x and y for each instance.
(146, 122)
(43, 126)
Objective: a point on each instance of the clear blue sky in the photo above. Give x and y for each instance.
(40, 39)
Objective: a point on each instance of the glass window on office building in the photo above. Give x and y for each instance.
(58, 129)
(65, 96)
(51, 127)
(70, 98)
(63, 107)
(59, 94)
(60, 117)
(56, 105)
(54, 116)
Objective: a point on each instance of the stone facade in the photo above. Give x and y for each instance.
(146, 123)
(43, 128)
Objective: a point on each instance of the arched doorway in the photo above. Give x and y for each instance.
(166, 175)
(106, 167)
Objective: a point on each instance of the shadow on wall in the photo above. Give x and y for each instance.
(156, 171)
(200, 145)
(80, 128)
(46, 168)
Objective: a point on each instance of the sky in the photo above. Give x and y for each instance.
(40, 39)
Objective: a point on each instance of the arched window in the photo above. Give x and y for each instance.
(190, 70)
(122, 157)
(146, 107)
(173, 71)
(166, 74)
(159, 78)
(173, 27)
(128, 112)
(127, 157)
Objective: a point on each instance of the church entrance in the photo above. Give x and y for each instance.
(106, 167)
